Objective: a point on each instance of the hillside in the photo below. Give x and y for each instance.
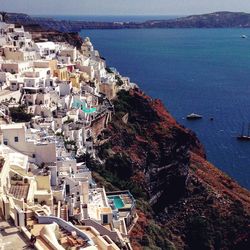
(222, 19)
(212, 20)
(184, 202)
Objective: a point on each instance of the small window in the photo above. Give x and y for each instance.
(105, 219)
(35, 200)
(5, 142)
(33, 156)
(16, 138)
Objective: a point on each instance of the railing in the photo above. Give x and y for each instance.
(103, 230)
(65, 225)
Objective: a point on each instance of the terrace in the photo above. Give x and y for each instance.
(19, 191)
(68, 240)
(121, 200)
(10, 236)
(98, 204)
(63, 233)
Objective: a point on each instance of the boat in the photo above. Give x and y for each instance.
(242, 136)
(193, 116)
(243, 36)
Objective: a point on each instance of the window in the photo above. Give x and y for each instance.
(105, 219)
(33, 156)
(67, 189)
(16, 138)
(5, 142)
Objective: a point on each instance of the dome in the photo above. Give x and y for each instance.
(87, 41)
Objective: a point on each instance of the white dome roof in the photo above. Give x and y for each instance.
(87, 41)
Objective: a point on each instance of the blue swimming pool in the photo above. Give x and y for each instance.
(117, 201)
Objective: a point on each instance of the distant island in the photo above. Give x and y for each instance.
(222, 19)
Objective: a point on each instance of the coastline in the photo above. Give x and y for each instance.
(183, 201)
(221, 19)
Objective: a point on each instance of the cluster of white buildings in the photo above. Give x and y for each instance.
(43, 189)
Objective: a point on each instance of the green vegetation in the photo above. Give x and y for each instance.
(109, 70)
(68, 121)
(210, 232)
(119, 81)
(199, 233)
(123, 103)
(155, 237)
(117, 170)
(70, 145)
(19, 114)
(59, 134)
(69, 142)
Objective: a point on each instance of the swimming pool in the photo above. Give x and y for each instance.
(118, 202)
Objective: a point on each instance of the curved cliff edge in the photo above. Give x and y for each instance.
(184, 202)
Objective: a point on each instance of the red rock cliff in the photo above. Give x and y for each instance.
(184, 201)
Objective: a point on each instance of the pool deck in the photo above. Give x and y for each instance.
(117, 201)
(126, 198)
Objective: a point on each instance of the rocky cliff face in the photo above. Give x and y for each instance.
(41, 31)
(183, 201)
(41, 34)
(156, 147)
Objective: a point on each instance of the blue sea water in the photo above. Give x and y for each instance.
(192, 70)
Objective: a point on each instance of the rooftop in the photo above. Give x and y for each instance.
(19, 191)
(98, 204)
(12, 126)
(10, 237)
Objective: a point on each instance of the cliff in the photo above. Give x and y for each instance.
(184, 202)
(44, 29)
(223, 19)
(212, 20)
(40, 33)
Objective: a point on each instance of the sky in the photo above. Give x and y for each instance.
(122, 7)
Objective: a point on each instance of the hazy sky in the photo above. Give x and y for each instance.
(122, 7)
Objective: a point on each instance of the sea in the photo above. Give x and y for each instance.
(205, 71)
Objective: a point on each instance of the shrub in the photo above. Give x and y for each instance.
(199, 233)
(109, 70)
(19, 114)
(119, 81)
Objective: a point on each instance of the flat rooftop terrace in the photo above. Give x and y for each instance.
(10, 237)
